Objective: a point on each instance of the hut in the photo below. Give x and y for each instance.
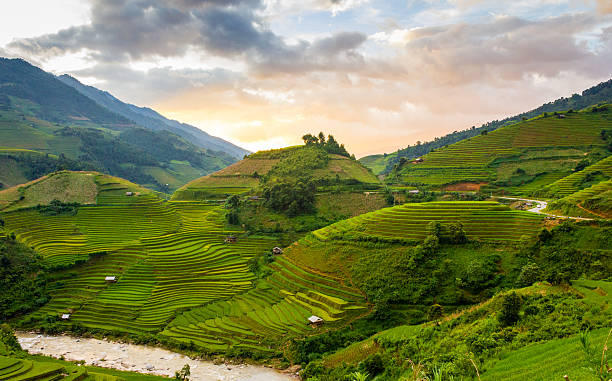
(230, 239)
(65, 316)
(277, 250)
(129, 193)
(315, 321)
(413, 191)
(110, 279)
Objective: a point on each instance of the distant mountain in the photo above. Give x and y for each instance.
(49, 98)
(383, 163)
(151, 119)
(47, 125)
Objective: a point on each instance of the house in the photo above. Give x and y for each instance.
(413, 191)
(315, 321)
(561, 116)
(129, 193)
(65, 316)
(111, 279)
(417, 160)
(277, 250)
(230, 239)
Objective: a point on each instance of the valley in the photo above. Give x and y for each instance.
(132, 245)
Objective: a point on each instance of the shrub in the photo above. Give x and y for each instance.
(511, 306)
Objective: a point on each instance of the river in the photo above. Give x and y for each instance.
(142, 358)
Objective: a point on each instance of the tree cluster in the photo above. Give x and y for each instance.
(290, 197)
(330, 144)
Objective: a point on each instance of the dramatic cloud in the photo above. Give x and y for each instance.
(378, 75)
(123, 30)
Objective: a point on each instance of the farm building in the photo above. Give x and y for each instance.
(65, 316)
(230, 239)
(111, 279)
(413, 191)
(315, 321)
(417, 160)
(277, 250)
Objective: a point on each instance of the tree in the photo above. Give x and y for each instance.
(435, 312)
(530, 273)
(321, 138)
(292, 198)
(511, 306)
(183, 374)
(435, 228)
(457, 234)
(310, 139)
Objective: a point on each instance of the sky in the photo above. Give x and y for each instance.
(378, 75)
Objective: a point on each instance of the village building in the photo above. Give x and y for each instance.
(129, 193)
(413, 191)
(277, 250)
(315, 321)
(111, 279)
(65, 316)
(230, 239)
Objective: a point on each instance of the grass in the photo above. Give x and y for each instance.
(282, 164)
(176, 277)
(539, 145)
(593, 202)
(547, 361)
(481, 220)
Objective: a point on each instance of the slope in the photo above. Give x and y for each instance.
(285, 164)
(541, 150)
(70, 131)
(382, 164)
(148, 118)
(177, 280)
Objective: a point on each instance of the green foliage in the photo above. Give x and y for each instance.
(57, 208)
(292, 198)
(330, 146)
(23, 281)
(511, 306)
(183, 374)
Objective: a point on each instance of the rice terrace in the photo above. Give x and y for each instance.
(325, 191)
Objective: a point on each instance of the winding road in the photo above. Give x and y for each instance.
(541, 205)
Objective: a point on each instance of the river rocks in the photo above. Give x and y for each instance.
(142, 359)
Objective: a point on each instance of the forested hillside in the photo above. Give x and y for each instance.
(383, 163)
(46, 125)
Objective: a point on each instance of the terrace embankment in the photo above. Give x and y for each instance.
(141, 358)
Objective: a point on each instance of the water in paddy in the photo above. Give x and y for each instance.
(141, 358)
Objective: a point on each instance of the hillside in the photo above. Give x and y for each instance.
(285, 164)
(150, 119)
(63, 129)
(383, 163)
(218, 295)
(519, 158)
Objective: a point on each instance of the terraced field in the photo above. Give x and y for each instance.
(174, 274)
(474, 159)
(592, 202)
(488, 221)
(280, 164)
(29, 370)
(580, 180)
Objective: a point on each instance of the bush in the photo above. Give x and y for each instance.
(511, 306)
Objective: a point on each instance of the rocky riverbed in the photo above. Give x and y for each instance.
(142, 358)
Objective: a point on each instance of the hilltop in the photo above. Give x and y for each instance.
(520, 158)
(383, 163)
(67, 187)
(285, 164)
(47, 125)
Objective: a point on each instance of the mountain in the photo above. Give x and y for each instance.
(520, 158)
(148, 118)
(46, 125)
(383, 163)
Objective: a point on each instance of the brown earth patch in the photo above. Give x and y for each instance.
(464, 187)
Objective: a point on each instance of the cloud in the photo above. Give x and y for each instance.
(505, 48)
(125, 30)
